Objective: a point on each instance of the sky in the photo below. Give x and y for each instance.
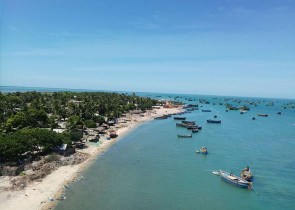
(216, 47)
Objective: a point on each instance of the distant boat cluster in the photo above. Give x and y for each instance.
(245, 178)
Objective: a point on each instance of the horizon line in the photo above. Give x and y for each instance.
(128, 91)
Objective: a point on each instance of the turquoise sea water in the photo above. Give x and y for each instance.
(153, 169)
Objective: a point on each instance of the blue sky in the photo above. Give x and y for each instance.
(218, 47)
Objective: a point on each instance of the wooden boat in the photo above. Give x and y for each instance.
(199, 127)
(161, 117)
(206, 110)
(234, 180)
(247, 174)
(243, 111)
(213, 121)
(113, 135)
(189, 122)
(184, 136)
(263, 115)
(181, 125)
(253, 118)
(204, 150)
(279, 112)
(190, 127)
(195, 130)
(179, 118)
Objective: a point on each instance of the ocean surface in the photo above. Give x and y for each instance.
(153, 169)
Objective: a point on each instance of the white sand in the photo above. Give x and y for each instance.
(38, 194)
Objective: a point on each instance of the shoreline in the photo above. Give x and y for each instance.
(47, 193)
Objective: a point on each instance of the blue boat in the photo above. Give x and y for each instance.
(234, 180)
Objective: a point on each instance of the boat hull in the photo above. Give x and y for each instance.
(213, 121)
(234, 180)
(179, 118)
(184, 136)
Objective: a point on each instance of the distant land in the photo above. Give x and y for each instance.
(7, 89)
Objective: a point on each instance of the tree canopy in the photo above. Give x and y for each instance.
(26, 119)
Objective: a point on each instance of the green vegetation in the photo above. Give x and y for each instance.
(27, 119)
(33, 140)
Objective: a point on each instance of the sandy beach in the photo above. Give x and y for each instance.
(48, 192)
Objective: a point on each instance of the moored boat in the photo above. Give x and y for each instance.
(234, 180)
(213, 121)
(204, 150)
(184, 136)
(181, 125)
(247, 174)
(206, 110)
(243, 111)
(161, 117)
(263, 115)
(179, 118)
(190, 127)
(189, 122)
(195, 130)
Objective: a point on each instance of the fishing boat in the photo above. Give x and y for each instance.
(195, 130)
(213, 121)
(190, 127)
(247, 174)
(234, 180)
(206, 110)
(181, 125)
(204, 150)
(184, 136)
(263, 115)
(179, 118)
(189, 122)
(161, 117)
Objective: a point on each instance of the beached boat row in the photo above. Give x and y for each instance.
(163, 117)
